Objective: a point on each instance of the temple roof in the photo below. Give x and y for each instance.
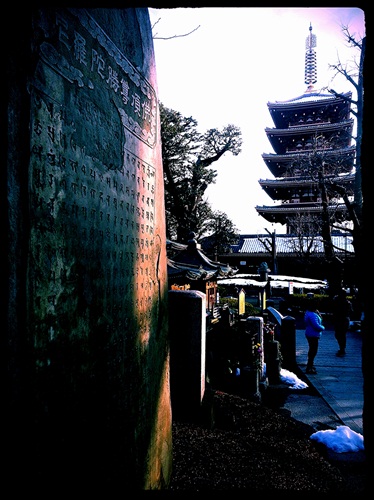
(311, 98)
(309, 129)
(275, 187)
(313, 105)
(316, 122)
(310, 78)
(191, 262)
(288, 208)
(283, 212)
(177, 270)
(279, 165)
(309, 109)
(293, 139)
(307, 181)
(285, 244)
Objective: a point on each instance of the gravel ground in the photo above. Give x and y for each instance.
(246, 446)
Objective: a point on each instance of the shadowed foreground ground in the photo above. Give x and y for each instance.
(251, 447)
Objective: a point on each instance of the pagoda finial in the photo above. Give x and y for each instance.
(310, 60)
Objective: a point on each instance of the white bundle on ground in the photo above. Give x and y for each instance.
(292, 380)
(340, 440)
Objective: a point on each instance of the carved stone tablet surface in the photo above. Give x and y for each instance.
(96, 269)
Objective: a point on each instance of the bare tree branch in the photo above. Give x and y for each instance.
(155, 37)
(153, 25)
(266, 244)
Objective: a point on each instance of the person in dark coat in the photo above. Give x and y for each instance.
(342, 312)
(313, 332)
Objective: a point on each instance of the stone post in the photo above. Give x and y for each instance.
(288, 342)
(252, 368)
(187, 326)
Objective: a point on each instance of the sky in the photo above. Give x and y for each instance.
(225, 72)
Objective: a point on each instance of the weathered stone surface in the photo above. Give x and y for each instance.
(187, 324)
(88, 358)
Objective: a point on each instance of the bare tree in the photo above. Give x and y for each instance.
(360, 217)
(353, 72)
(321, 168)
(270, 245)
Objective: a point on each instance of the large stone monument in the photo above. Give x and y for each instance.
(86, 351)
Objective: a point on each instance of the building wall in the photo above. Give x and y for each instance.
(317, 268)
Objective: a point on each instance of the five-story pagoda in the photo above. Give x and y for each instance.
(313, 160)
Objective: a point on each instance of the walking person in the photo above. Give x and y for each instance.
(313, 332)
(342, 312)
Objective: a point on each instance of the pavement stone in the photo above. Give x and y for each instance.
(334, 395)
(339, 380)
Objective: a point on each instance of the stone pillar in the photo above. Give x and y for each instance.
(187, 326)
(273, 363)
(288, 342)
(86, 350)
(256, 325)
(252, 364)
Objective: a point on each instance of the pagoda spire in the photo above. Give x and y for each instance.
(310, 60)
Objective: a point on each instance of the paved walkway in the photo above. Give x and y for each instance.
(338, 380)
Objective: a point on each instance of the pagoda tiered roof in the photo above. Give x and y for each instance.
(282, 188)
(287, 139)
(283, 212)
(310, 130)
(312, 106)
(309, 97)
(279, 165)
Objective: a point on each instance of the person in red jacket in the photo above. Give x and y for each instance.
(313, 332)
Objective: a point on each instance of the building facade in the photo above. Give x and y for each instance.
(293, 255)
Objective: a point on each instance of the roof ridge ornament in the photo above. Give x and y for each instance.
(192, 241)
(310, 60)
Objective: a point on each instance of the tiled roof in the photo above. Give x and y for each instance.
(177, 270)
(191, 262)
(286, 244)
(306, 97)
(292, 181)
(348, 151)
(294, 208)
(314, 126)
